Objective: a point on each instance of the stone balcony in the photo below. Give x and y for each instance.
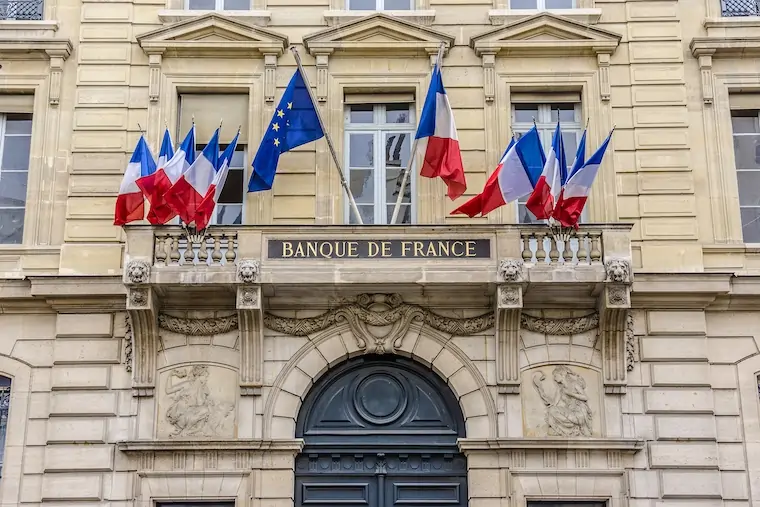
(306, 261)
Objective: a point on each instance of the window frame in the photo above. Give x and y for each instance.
(378, 128)
(738, 170)
(546, 127)
(215, 215)
(3, 127)
(541, 6)
(380, 6)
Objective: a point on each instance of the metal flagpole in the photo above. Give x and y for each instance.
(343, 182)
(413, 156)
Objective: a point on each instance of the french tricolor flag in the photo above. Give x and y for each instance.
(541, 201)
(160, 210)
(511, 180)
(148, 183)
(130, 203)
(437, 140)
(573, 197)
(193, 185)
(206, 207)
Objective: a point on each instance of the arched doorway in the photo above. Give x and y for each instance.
(380, 431)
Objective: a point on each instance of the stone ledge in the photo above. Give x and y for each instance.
(294, 445)
(338, 17)
(504, 16)
(625, 445)
(258, 18)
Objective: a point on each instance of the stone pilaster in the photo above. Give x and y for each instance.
(509, 302)
(142, 307)
(615, 324)
(251, 324)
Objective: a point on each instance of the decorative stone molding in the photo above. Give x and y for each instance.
(137, 272)
(154, 77)
(603, 62)
(508, 314)
(489, 75)
(705, 69)
(270, 76)
(322, 75)
(247, 271)
(56, 74)
(128, 344)
(616, 325)
(142, 309)
(560, 327)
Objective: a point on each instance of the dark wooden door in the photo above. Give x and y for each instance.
(380, 432)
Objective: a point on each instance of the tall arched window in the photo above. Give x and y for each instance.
(5, 401)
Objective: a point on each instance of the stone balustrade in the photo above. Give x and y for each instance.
(216, 247)
(577, 247)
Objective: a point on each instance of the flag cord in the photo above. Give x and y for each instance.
(334, 154)
(412, 156)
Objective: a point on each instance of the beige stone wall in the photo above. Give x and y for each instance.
(671, 171)
(691, 400)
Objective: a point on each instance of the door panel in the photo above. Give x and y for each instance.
(336, 491)
(423, 492)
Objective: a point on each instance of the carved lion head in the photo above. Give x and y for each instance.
(247, 271)
(510, 270)
(618, 270)
(138, 272)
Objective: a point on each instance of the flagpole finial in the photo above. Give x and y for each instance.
(240, 127)
(220, 123)
(141, 129)
(587, 123)
(193, 119)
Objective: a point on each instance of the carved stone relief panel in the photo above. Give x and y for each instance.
(197, 401)
(561, 401)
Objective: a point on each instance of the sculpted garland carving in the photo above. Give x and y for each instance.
(560, 327)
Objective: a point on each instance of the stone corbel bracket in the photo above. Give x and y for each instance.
(615, 325)
(142, 308)
(509, 303)
(251, 327)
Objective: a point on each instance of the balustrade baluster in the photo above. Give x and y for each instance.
(203, 251)
(553, 252)
(596, 248)
(190, 251)
(230, 254)
(540, 252)
(582, 254)
(160, 254)
(174, 255)
(527, 254)
(216, 254)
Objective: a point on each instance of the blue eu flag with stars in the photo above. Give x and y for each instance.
(294, 123)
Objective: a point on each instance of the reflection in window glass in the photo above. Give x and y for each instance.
(15, 145)
(379, 141)
(541, 5)
(380, 5)
(5, 403)
(746, 127)
(218, 5)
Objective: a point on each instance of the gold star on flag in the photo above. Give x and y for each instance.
(280, 113)
(275, 127)
(290, 105)
(276, 142)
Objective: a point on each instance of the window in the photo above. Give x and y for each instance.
(5, 402)
(218, 5)
(545, 116)
(541, 5)
(229, 209)
(207, 109)
(746, 127)
(567, 504)
(380, 5)
(15, 143)
(739, 8)
(378, 141)
(21, 10)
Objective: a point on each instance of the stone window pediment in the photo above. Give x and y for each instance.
(546, 34)
(730, 46)
(213, 34)
(378, 33)
(32, 39)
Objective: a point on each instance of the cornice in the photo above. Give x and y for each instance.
(678, 290)
(624, 445)
(725, 46)
(292, 445)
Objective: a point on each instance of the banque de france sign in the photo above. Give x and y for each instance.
(379, 249)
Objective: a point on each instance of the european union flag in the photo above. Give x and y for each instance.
(295, 122)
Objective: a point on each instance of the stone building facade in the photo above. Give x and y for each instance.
(288, 357)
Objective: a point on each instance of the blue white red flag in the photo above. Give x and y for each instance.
(206, 207)
(543, 198)
(130, 203)
(437, 141)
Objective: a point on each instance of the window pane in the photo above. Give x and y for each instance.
(393, 185)
(362, 183)
(361, 114)
(526, 113)
(397, 113)
(570, 140)
(749, 188)
(238, 159)
(398, 5)
(559, 4)
(367, 213)
(11, 226)
(747, 151)
(522, 4)
(525, 216)
(237, 5)
(361, 150)
(566, 112)
(16, 153)
(232, 193)
(397, 146)
(751, 225)
(229, 214)
(361, 5)
(13, 189)
(404, 214)
(745, 122)
(18, 124)
(201, 5)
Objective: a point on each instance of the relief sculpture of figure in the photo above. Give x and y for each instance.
(194, 412)
(567, 411)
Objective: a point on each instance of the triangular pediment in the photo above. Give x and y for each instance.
(378, 33)
(546, 34)
(212, 34)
